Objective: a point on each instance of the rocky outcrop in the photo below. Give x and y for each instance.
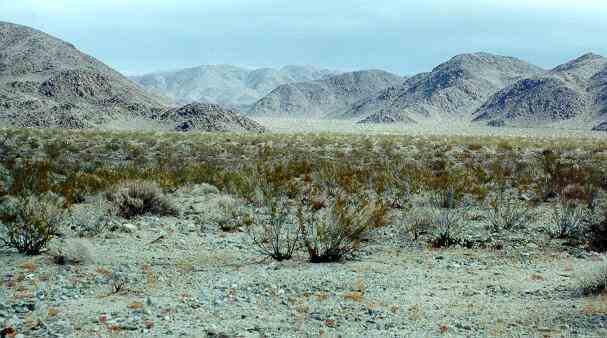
(208, 117)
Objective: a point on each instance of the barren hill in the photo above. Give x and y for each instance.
(320, 98)
(452, 90)
(575, 90)
(46, 82)
(227, 85)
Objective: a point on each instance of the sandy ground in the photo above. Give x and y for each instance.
(434, 128)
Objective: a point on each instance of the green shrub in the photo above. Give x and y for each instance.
(506, 212)
(568, 219)
(28, 223)
(136, 198)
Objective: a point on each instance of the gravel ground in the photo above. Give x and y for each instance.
(178, 277)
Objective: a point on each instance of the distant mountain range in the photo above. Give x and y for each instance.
(230, 86)
(46, 82)
(320, 98)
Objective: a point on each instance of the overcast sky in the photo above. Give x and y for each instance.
(403, 36)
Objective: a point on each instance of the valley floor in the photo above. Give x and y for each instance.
(188, 281)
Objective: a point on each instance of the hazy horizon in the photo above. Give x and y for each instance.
(403, 37)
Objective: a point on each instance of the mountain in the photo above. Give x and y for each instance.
(47, 82)
(208, 117)
(324, 97)
(452, 90)
(575, 90)
(227, 85)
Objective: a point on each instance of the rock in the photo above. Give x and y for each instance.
(129, 228)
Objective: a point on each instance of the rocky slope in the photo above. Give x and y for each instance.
(208, 117)
(453, 90)
(575, 90)
(325, 97)
(46, 82)
(227, 85)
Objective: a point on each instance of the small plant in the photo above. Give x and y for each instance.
(230, 214)
(507, 213)
(448, 224)
(136, 198)
(28, 223)
(71, 251)
(594, 281)
(336, 231)
(568, 220)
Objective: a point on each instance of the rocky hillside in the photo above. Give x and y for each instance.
(575, 90)
(46, 82)
(208, 117)
(326, 97)
(227, 85)
(453, 90)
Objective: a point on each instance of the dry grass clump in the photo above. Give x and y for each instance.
(28, 223)
(71, 251)
(228, 213)
(136, 198)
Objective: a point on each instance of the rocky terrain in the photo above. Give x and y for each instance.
(208, 117)
(575, 90)
(452, 90)
(226, 85)
(326, 97)
(46, 82)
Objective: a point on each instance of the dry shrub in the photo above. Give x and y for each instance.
(71, 251)
(135, 198)
(28, 223)
(273, 230)
(335, 232)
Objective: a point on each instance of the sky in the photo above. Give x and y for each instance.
(405, 37)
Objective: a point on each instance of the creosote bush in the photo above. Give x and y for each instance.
(335, 232)
(272, 229)
(136, 198)
(28, 223)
